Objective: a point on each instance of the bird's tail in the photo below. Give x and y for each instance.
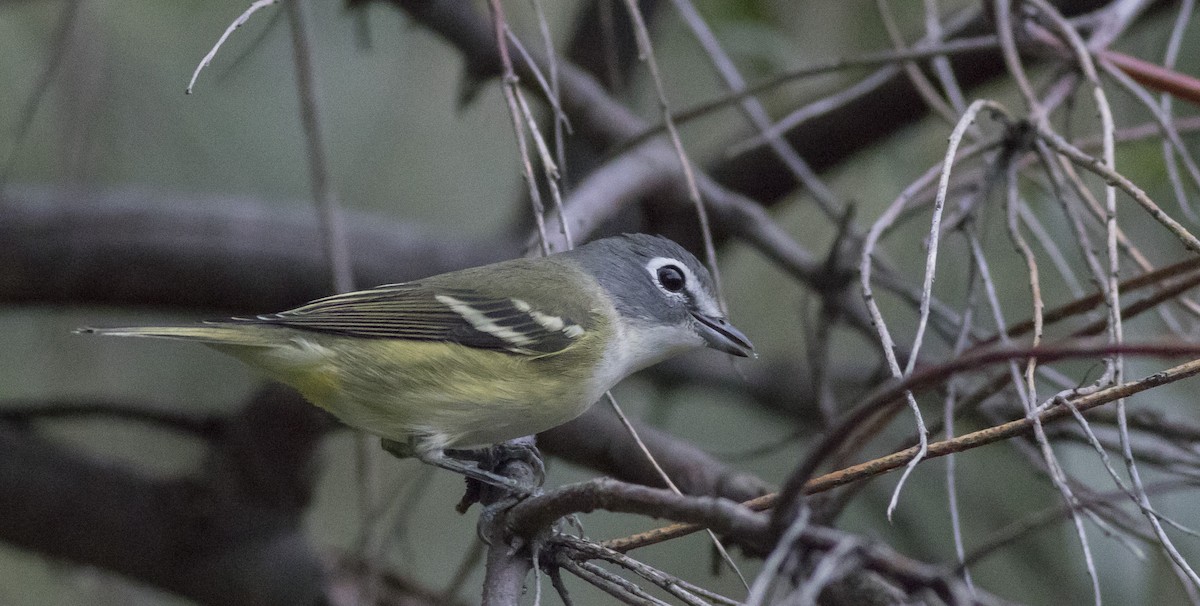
(212, 333)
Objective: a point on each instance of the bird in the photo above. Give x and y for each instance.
(475, 357)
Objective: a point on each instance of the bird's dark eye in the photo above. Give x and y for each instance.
(671, 278)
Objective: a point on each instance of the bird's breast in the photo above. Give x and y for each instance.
(456, 395)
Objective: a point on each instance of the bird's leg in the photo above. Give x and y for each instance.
(440, 459)
(464, 461)
(437, 457)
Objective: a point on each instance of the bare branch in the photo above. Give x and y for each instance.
(133, 247)
(67, 505)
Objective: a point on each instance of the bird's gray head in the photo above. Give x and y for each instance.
(661, 289)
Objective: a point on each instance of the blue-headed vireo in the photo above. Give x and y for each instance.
(487, 354)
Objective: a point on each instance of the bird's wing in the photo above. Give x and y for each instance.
(429, 313)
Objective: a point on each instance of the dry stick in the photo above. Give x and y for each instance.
(1107, 524)
(1171, 136)
(815, 109)
(511, 92)
(240, 21)
(994, 385)
(515, 99)
(667, 582)
(1154, 300)
(626, 584)
(1106, 461)
(872, 424)
(1002, 11)
(871, 59)
(1128, 134)
(556, 581)
(666, 478)
(611, 584)
(756, 113)
(1055, 167)
(549, 92)
(917, 78)
(949, 407)
(873, 236)
(1143, 499)
(758, 117)
(1170, 56)
(1115, 367)
(1078, 157)
(1111, 21)
(889, 70)
(1127, 246)
(936, 449)
(1045, 455)
(1055, 469)
(1092, 164)
(1012, 202)
(745, 219)
(561, 125)
(993, 301)
(1110, 214)
(1050, 247)
(1161, 453)
(552, 170)
(1015, 531)
(1152, 278)
(876, 406)
(1172, 429)
(942, 67)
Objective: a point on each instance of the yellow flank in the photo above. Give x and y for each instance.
(319, 385)
(442, 393)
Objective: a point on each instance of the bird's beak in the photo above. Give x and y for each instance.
(720, 335)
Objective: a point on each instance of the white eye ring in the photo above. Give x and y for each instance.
(657, 263)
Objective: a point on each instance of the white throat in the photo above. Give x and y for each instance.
(638, 345)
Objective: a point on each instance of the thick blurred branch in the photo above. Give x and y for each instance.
(244, 545)
(226, 254)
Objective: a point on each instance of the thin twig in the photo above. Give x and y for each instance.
(240, 21)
